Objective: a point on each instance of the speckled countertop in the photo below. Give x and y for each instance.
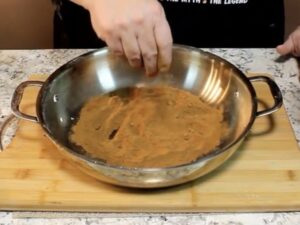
(16, 65)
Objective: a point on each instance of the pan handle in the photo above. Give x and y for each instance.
(275, 91)
(17, 98)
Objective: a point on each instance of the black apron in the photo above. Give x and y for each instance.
(198, 23)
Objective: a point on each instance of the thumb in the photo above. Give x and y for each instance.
(286, 48)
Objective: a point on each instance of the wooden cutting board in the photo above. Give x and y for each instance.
(264, 175)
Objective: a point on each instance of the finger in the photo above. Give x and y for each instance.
(287, 47)
(164, 41)
(296, 41)
(115, 45)
(131, 49)
(148, 48)
(110, 38)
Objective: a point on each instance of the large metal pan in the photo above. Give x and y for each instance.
(212, 78)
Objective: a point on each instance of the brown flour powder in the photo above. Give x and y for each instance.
(153, 127)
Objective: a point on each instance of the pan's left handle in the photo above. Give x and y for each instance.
(17, 98)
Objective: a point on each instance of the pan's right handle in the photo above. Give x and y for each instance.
(276, 94)
(17, 98)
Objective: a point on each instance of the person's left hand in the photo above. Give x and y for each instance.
(291, 45)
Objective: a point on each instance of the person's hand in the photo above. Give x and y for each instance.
(137, 29)
(291, 45)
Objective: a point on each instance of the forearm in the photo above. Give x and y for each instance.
(83, 3)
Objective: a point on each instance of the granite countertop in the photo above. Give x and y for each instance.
(17, 65)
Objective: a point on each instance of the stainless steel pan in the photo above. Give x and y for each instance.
(212, 78)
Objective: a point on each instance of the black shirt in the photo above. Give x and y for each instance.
(198, 23)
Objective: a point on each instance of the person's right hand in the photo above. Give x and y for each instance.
(136, 28)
